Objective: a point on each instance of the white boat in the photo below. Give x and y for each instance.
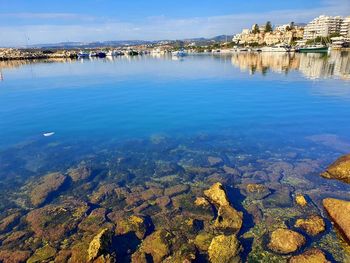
(179, 53)
(48, 134)
(92, 54)
(276, 48)
(83, 54)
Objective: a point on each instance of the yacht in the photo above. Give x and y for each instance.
(276, 48)
(179, 53)
(83, 54)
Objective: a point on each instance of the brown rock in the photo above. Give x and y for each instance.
(95, 221)
(217, 195)
(47, 186)
(203, 240)
(257, 191)
(339, 170)
(300, 200)
(313, 255)
(224, 249)
(15, 237)
(52, 222)
(163, 201)
(135, 224)
(44, 254)
(339, 212)
(285, 241)
(201, 201)
(313, 225)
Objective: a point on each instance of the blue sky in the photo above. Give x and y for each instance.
(50, 21)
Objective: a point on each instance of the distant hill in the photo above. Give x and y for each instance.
(121, 43)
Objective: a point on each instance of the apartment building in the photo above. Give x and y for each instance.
(345, 27)
(323, 26)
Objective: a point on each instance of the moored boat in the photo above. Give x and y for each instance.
(83, 54)
(276, 48)
(313, 49)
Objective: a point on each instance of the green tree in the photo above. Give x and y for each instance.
(268, 27)
(255, 29)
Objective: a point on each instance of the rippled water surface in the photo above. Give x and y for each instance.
(136, 125)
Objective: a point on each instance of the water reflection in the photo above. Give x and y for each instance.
(311, 65)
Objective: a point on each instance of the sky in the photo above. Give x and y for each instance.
(29, 22)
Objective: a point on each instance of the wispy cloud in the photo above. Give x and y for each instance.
(92, 28)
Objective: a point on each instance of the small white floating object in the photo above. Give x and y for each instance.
(48, 134)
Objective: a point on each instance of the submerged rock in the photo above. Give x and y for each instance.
(135, 224)
(82, 172)
(52, 222)
(339, 170)
(8, 222)
(176, 190)
(44, 254)
(313, 225)
(228, 219)
(224, 249)
(214, 161)
(47, 186)
(201, 201)
(158, 245)
(256, 191)
(99, 244)
(16, 256)
(203, 240)
(339, 212)
(285, 241)
(313, 255)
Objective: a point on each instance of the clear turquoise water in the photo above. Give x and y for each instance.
(138, 97)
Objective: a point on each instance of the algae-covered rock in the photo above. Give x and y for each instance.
(95, 221)
(15, 256)
(285, 241)
(44, 254)
(224, 249)
(203, 240)
(313, 225)
(99, 244)
(217, 195)
(228, 219)
(313, 255)
(339, 212)
(176, 190)
(8, 222)
(52, 222)
(47, 186)
(158, 245)
(339, 170)
(134, 223)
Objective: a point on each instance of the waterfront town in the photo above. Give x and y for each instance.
(322, 34)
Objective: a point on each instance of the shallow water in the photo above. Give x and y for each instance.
(276, 119)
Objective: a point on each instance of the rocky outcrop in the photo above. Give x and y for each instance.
(312, 225)
(339, 212)
(224, 249)
(339, 170)
(256, 191)
(217, 195)
(313, 255)
(99, 244)
(9, 221)
(300, 200)
(82, 172)
(176, 190)
(47, 186)
(203, 240)
(227, 218)
(285, 241)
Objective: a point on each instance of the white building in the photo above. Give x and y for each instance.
(345, 27)
(323, 26)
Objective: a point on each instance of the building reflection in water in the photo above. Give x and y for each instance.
(311, 65)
